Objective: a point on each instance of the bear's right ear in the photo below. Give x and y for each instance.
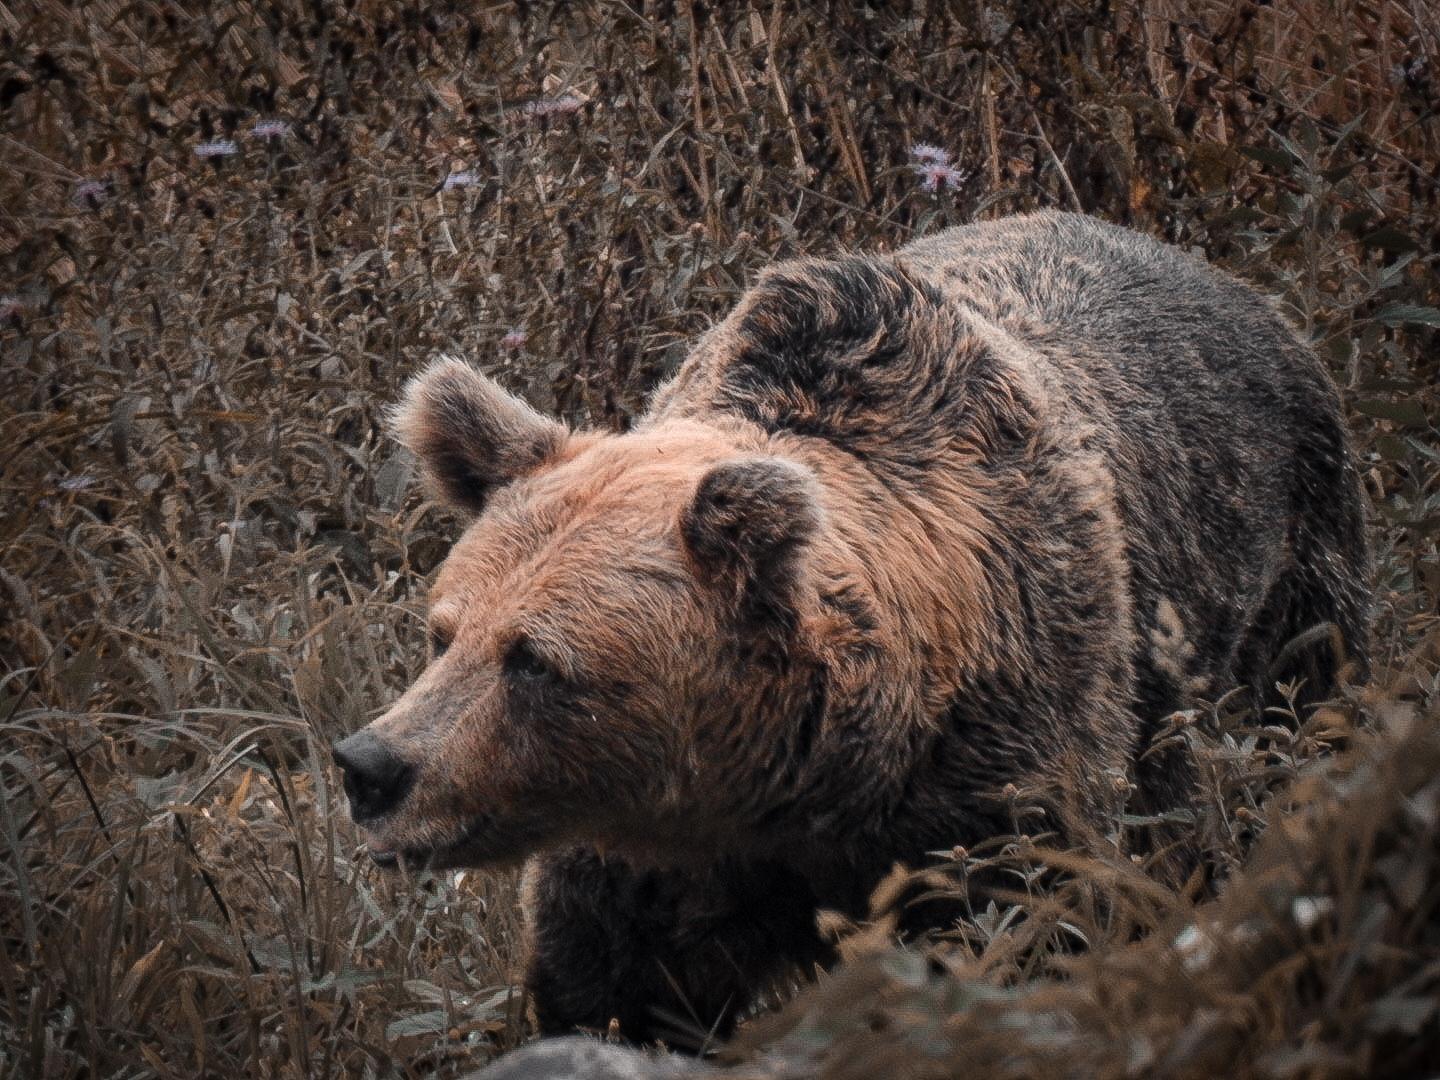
(470, 435)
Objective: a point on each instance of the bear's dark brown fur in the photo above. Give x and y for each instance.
(902, 531)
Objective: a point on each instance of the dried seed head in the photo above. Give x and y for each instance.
(555, 106)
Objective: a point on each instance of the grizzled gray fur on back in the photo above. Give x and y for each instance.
(1145, 434)
(1241, 504)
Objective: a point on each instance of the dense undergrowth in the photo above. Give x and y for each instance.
(230, 230)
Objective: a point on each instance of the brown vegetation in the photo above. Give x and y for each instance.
(211, 555)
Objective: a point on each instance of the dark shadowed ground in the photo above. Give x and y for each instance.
(230, 230)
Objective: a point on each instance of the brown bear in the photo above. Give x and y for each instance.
(903, 530)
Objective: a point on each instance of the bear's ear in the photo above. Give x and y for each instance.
(470, 435)
(747, 527)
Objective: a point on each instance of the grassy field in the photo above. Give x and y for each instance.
(231, 230)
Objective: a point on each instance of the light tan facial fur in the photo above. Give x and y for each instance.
(579, 628)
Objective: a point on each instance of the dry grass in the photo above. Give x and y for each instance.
(1321, 959)
(211, 558)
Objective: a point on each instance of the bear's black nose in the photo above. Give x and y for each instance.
(375, 777)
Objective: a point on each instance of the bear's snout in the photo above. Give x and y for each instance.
(376, 778)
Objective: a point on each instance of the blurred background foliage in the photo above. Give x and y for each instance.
(229, 231)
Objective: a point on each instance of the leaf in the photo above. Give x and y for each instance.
(345, 982)
(1409, 315)
(1340, 172)
(1212, 164)
(1168, 817)
(1388, 238)
(78, 676)
(136, 975)
(427, 992)
(159, 791)
(1406, 1015)
(433, 1022)
(496, 1003)
(1407, 412)
(1355, 221)
(1424, 449)
(1392, 448)
(393, 478)
(1268, 155)
(273, 953)
(906, 968)
(217, 944)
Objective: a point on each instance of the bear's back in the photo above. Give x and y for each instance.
(1068, 268)
(1220, 428)
(1054, 343)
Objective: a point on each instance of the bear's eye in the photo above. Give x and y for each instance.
(439, 642)
(522, 662)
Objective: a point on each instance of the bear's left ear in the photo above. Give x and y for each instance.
(747, 527)
(470, 435)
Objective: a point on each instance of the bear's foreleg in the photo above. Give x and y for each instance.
(669, 954)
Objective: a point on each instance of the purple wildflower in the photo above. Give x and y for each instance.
(515, 339)
(271, 129)
(465, 178)
(217, 148)
(926, 153)
(89, 194)
(1411, 72)
(934, 177)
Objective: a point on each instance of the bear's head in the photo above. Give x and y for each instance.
(616, 616)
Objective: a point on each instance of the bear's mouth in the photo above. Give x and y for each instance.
(383, 857)
(479, 844)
